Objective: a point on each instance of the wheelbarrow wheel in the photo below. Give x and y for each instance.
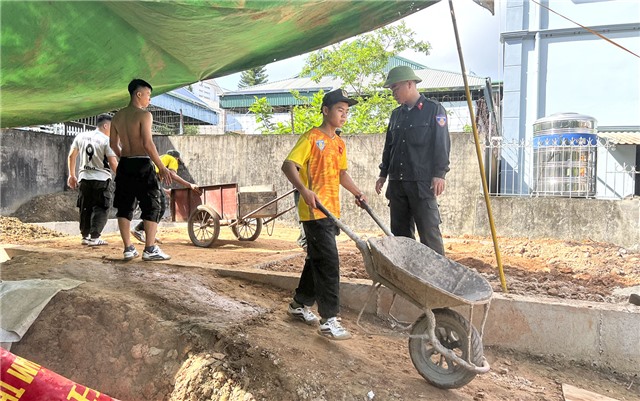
(247, 229)
(452, 331)
(204, 227)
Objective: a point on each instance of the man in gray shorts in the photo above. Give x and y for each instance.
(136, 176)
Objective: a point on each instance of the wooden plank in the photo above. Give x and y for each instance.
(250, 201)
(572, 393)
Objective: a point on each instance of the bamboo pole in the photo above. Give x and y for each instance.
(485, 186)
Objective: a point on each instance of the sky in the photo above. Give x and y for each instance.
(479, 36)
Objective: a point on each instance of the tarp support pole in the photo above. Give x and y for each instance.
(485, 186)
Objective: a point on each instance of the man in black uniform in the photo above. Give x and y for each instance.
(415, 160)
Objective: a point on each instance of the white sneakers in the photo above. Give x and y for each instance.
(155, 254)
(331, 328)
(93, 241)
(97, 242)
(334, 330)
(130, 253)
(303, 314)
(139, 235)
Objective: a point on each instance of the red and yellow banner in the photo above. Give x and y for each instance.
(23, 380)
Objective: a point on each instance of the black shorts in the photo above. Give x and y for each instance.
(136, 180)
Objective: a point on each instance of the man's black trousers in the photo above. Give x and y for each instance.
(320, 279)
(413, 202)
(94, 201)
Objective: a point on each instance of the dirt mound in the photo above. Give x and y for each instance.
(588, 270)
(13, 231)
(59, 206)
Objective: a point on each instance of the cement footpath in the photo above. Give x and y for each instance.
(602, 335)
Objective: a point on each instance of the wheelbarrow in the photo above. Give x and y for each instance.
(445, 348)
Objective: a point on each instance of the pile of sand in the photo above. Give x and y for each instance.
(14, 231)
(59, 206)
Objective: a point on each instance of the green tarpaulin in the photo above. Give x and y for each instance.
(62, 60)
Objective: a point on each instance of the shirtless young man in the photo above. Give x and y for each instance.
(136, 176)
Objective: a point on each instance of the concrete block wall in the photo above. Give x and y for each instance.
(35, 163)
(615, 221)
(31, 164)
(256, 160)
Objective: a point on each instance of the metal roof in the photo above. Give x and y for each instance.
(181, 101)
(396, 61)
(445, 80)
(185, 94)
(278, 93)
(622, 137)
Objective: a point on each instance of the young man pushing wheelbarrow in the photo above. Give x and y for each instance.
(317, 166)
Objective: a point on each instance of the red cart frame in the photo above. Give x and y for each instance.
(244, 209)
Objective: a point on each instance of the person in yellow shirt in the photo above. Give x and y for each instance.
(317, 167)
(170, 160)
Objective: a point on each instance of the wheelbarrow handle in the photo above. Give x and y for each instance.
(346, 228)
(340, 224)
(375, 217)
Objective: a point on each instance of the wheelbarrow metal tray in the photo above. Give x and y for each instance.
(425, 277)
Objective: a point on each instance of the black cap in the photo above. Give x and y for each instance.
(336, 96)
(174, 153)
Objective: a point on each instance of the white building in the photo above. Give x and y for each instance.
(552, 65)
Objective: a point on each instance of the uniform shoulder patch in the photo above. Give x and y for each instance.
(441, 119)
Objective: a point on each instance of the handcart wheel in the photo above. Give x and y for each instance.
(452, 331)
(204, 227)
(247, 229)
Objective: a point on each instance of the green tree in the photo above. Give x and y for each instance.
(191, 130)
(253, 76)
(306, 115)
(360, 65)
(264, 114)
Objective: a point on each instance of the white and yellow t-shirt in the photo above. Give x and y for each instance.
(320, 159)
